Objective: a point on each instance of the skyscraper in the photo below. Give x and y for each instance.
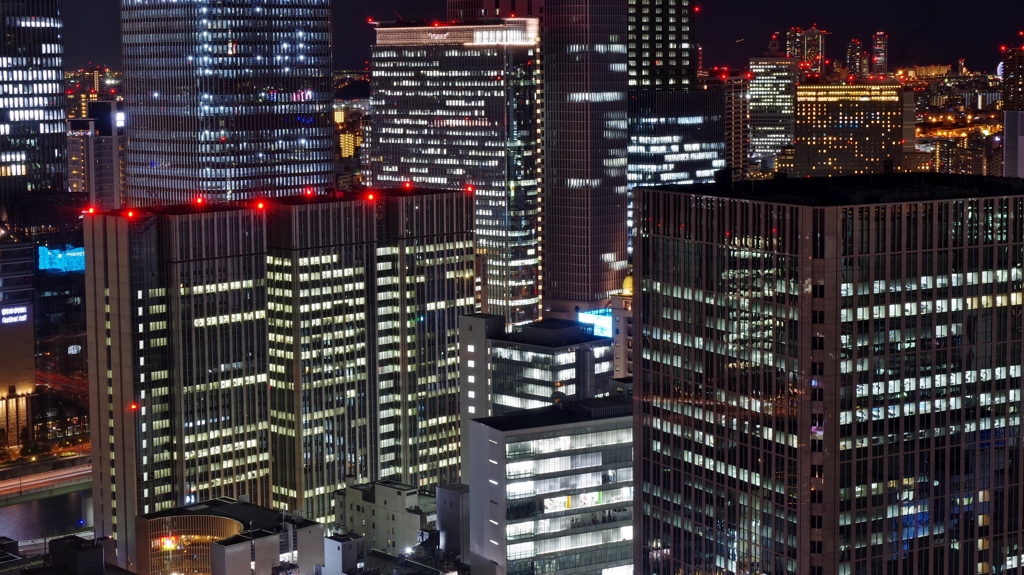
(880, 53)
(848, 129)
(854, 48)
(1013, 112)
(225, 101)
(483, 135)
(365, 294)
(662, 45)
(808, 46)
(835, 387)
(772, 106)
(585, 128)
(32, 129)
(96, 155)
(734, 95)
(177, 342)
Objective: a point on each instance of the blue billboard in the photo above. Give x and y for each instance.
(601, 319)
(68, 259)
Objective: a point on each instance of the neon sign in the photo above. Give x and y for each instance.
(14, 315)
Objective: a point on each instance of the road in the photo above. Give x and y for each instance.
(45, 480)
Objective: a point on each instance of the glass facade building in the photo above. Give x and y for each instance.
(585, 141)
(830, 377)
(880, 53)
(177, 343)
(229, 101)
(32, 129)
(457, 107)
(552, 490)
(1013, 112)
(772, 107)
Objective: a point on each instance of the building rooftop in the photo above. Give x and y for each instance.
(252, 517)
(857, 190)
(563, 413)
(554, 333)
(206, 206)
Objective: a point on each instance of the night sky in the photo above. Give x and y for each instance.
(920, 31)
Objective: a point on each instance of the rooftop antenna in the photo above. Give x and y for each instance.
(400, 19)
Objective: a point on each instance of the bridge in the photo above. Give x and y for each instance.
(42, 481)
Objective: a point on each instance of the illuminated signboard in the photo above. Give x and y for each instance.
(66, 260)
(601, 319)
(13, 315)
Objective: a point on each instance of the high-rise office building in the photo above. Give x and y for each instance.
(227, 102)
(772, 107)
(177, 342)
(807, 46)
(662, 45)
(551, 490)
(17, 337)
(366, 291)
(469, 10)
(835, 388)
(854, 49)
(880, 53)
(32, 128)
(847, 129)
(1013, 112)
(676, 137)
(585, 140)
(96, 155)
(484, 135)
(733, 92)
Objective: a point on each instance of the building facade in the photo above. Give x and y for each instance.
(469, 10)
(1013, 112)
(829, 385)
(533, 366)
(807, 46)
(585, 141)
(32, 129)
(177, 343)
(483, 135)
(366, 291)
(880, 53)
(17, 338)
(552, 490)
(662, 45)
(253, 118)
(392, 516)
(96, 155)
(772, 106)
(848, 129)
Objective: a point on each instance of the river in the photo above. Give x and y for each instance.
(44, 518)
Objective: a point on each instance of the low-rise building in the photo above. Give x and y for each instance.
(224, 536)
(392, 516)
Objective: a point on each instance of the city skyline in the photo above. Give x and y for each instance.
(726, 39)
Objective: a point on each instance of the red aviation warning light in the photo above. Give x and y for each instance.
(134, 406)
(308, 191)
(260, 205)
(131, 214)
(406, 185)
(369, 196)
(470, 189)
(199, 200)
